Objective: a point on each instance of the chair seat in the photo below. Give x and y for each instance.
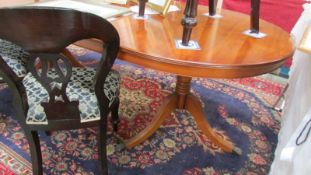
(14, 56)
(80, 88)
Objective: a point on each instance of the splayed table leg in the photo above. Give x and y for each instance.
(183, 99)
(167, 107)
(72, 59)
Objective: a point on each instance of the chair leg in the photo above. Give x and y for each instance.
(102, 146)
(115, 114)
(35, 151)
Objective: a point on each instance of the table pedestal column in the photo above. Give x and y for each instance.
(183, 99)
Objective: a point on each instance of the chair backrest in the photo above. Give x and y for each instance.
(45, 32)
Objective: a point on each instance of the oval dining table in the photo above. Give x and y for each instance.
(225, 52)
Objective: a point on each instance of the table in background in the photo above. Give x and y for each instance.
(225, 53)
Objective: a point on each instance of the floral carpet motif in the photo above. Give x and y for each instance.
(238, 110)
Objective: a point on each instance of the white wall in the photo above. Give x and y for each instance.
(6, 3)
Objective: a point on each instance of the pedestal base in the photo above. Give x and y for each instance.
(182, 99)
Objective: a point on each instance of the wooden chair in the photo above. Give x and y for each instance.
(55, 95)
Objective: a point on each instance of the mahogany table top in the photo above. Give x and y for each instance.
(225, 52)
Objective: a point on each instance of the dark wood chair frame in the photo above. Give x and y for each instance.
(44, 33)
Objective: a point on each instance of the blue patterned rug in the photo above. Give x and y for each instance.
(239, 110)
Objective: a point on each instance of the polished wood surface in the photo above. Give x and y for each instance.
(225, 53)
